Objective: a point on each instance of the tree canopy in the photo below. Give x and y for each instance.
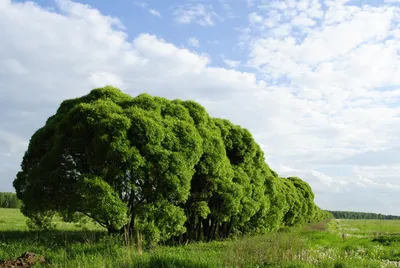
(161, 167)
(9, 200)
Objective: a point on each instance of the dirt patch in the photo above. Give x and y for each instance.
(26, 260)
(320, 226)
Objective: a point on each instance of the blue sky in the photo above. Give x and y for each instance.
(317, 82)
(217, 36)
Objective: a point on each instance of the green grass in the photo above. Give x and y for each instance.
(13, 220)
(369, 227)
(366, 243)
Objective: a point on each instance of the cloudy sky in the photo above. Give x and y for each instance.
(317, 82)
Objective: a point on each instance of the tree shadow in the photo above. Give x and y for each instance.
(53, 244)
(55, 238)
(170, 262)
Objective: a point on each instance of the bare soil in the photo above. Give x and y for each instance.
(26, 260)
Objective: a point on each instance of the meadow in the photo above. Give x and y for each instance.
(334, 243)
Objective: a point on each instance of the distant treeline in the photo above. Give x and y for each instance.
(9, 200)
(362, 215)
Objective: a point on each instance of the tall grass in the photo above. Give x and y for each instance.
(318, 245)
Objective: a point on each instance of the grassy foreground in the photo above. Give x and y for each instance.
(338, 243)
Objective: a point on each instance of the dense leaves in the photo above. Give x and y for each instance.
(9, 200)
(161, 168)
(362, 215)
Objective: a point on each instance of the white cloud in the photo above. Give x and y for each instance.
(193, 42)
(325, 179)
(303, 20)
(155, 13)
(352, 192)
(341, 66)
(85, 49)
(303, 5)
(199, 13)
(224, 4)
(145, 6)
(254, 18)
(232, 63)
(92, 15)
(13, 142)
(250, 3)
(288, 170)
(101, 78)
(329, 101)
(141, 4)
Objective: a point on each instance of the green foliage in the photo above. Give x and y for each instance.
(386, 239)
(159, 222)
(158, 168)
(362, 215)
(40, 221)
(102, 203)
(9, 200)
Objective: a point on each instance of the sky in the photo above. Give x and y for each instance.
(317, 82)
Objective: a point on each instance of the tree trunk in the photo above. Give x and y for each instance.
(222, 230)
(230, 227)
(198, 231)
(139, 242)
(211, 230)
(206, 226)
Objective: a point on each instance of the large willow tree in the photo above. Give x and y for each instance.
(164, 168)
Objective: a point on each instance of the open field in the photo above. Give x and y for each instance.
(339, 243)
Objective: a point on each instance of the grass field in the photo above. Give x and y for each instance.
(339, 243)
